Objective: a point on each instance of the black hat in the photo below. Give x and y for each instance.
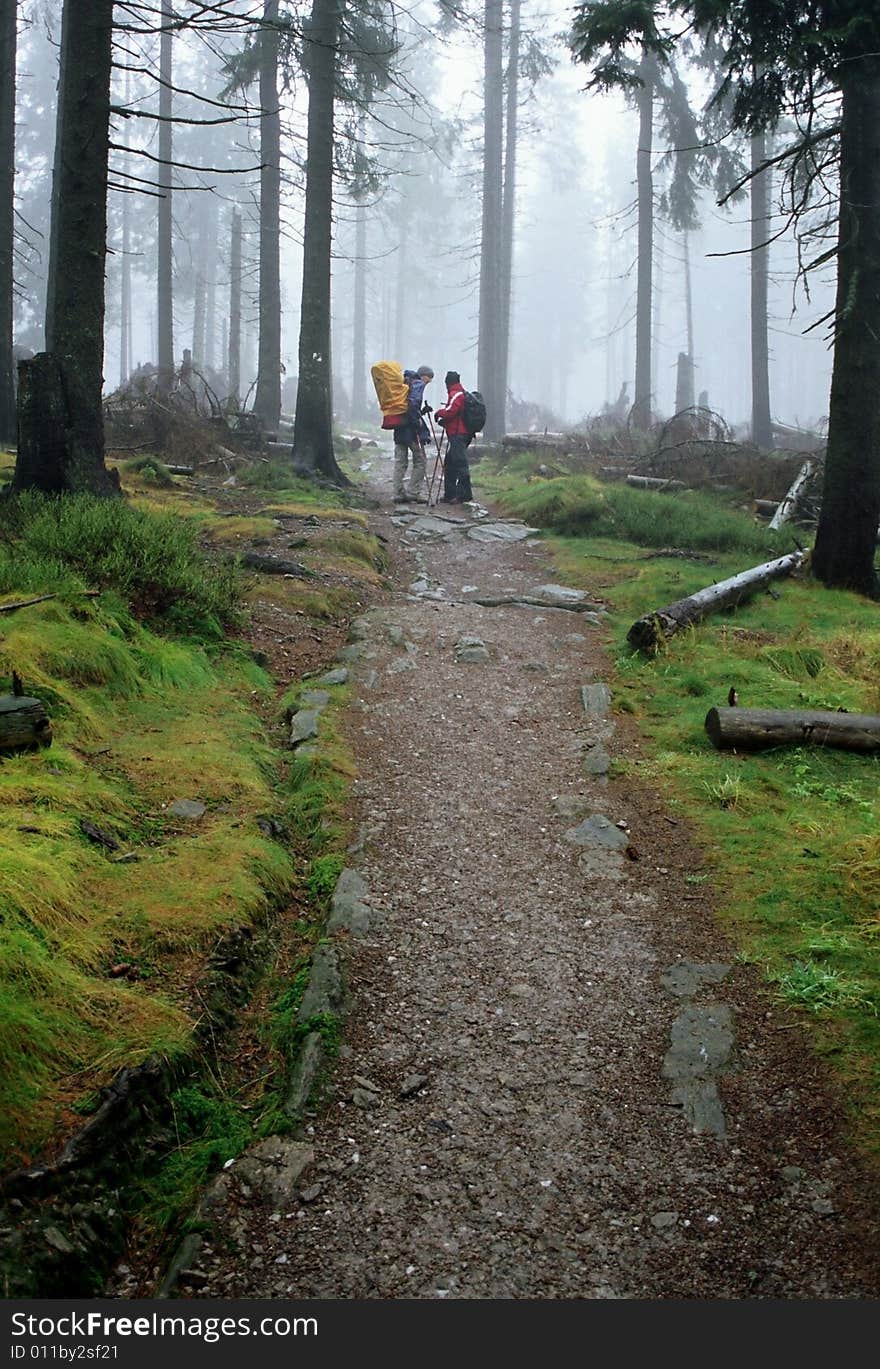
(452, 378)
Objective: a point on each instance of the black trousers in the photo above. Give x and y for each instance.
(456, 471)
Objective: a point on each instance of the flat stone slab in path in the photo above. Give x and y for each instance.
(598, 830)
(560, 594)
(500, 532)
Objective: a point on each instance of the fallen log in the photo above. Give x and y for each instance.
(751, 729)
(654, 482)
(275, 565)
(649, 631)
(24, 724)
(789, 503)
(766, 507)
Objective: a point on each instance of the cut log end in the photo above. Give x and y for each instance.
(24, 724)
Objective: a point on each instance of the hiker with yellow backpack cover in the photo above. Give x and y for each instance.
(401, 396)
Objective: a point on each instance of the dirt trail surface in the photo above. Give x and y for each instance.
(557, 1081)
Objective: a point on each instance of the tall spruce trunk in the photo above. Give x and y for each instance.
(8, 17)
(489, 360)
(234, 356)
(213, 223)
(313, 425)
(125, 281)
(267, 401)
(509, 199)
(61, 422)
(164, 249)
(762, 431)
(846, 538)
(641, 410)
(359, 338)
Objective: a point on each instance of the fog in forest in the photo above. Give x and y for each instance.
(407, 227)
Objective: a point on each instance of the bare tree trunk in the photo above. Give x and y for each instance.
(846, 537)
(164, 272)
(211, 292)
(125, 283)
(198, 339)
(641, 412)
(313, 427)
(67, 380)
(489, 360)
(8, 35)
(234, 361)
(359, 341)
(267, 401)
(509, 199)
(762, 431)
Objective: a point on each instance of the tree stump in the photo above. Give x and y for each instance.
(24, 724)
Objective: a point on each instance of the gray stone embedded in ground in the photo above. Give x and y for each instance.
(349, 909)
(597, 761)
(350, 653)
(701, 1042)
(500, 532)
(687, 977)
(428, 526)
(315, 698)
(324, 992)
(274, 1167)
(402, 664)
(597, 831)
(596, 698)
(187, 808)
(359, 628)
(395, 635)
(471, 651)
(559, 594)
(304, 1076)
(303, 725)
(334, 677)
(570, 805)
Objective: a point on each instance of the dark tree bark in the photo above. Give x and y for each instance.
(164, 274)
(234, 358)
(267, 401)
(125, 282)
(641, 410)
(8, 17)
(846, 537)
(313, 425)
(489, 358)
(762, 431)
(68, 379)
(198, 339)
(213, 224)
(509, 198)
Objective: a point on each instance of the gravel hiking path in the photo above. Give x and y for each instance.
(557, 1080)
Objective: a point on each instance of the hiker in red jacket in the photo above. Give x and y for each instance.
(456, 471)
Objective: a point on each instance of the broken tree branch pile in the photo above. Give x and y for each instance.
(648, 632)
(752, 729)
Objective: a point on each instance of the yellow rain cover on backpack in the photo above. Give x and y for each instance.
(392, 390)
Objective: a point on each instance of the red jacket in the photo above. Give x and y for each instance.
(452, 412)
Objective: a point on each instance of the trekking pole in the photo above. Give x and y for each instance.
(439, 464)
